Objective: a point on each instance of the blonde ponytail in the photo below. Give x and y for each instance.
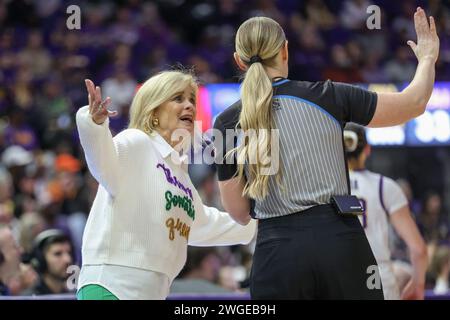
(261, 38)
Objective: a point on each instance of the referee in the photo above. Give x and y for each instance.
(305, 249)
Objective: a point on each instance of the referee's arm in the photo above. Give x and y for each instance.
(397, 108)
(235, 204)
(230, 186)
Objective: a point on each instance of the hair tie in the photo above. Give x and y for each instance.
(255, 58)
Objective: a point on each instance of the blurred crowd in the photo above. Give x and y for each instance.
(44, 181)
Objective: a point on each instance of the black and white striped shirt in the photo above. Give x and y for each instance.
(310, 118)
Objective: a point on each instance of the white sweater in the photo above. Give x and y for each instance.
(146, 210)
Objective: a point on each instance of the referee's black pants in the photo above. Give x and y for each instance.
(315, 254)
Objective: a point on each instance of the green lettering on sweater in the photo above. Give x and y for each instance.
(184, 203)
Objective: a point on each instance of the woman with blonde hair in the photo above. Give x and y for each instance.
(290, 164)
(146, 210)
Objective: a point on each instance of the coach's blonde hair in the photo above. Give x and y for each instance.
(263, 37)
(156, 91)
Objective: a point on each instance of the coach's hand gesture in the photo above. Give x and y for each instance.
(97, 107)
(427, 46)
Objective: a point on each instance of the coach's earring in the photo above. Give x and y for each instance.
(155, 122)
(147, 127)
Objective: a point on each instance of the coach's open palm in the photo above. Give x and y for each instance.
(427, 46)
(97, 107)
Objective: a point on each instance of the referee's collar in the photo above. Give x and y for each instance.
(279, 81)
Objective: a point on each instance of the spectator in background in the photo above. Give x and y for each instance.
(246, 261)
(6, 193)
(371, 72)
(120, 59)
(376, 41)
(47, 9)
(16, 159)
(200, 273)
(124, 29)
(52, 255)
(3, 14)
(309, 58)
(432, 222)
(355, 54)
(153, 28)
(7, 204)
(212, 49)
(8, 60)
(9, 260)
(5, 104)
(228, 277)
(94, 33)
(203, 69)
(441, 10)
(120, 88)
(31, 224)
(400, 69)
(19, 132)
(15, 277)
(19, 162)
(342, 68)
(50, 200)
(440, 270)
(70, 51)
(75, 204)
(90, 187)
(25, 199)
(318, 13)
(35, 56)
(402, 24)
(354, 14)
(22, 88)
(268, 8)
(414, 204)
(54, 101)
(236, 276)
(155, 61)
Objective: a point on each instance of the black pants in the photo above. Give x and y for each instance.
(315, 254)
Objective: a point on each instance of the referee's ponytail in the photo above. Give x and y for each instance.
(258, 41)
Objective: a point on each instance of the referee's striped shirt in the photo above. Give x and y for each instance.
(310, 118)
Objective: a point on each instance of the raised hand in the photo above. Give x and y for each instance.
(97, 107)
(427, 46)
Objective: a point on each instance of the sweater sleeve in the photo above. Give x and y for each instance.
(100, 150)
(212, 227)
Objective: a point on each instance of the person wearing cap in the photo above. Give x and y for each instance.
(146, 210)
(283, 159)
(16, 156)
(385, 204)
